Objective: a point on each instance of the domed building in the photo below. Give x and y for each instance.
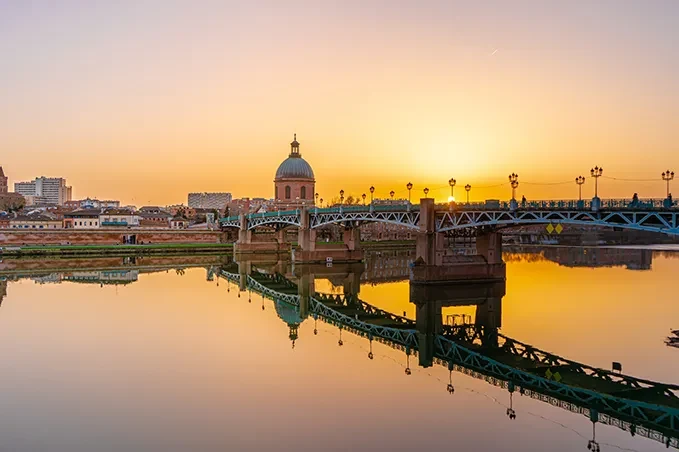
(290, 315)
(294, 184)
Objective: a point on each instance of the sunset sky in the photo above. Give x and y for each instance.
(145, 101)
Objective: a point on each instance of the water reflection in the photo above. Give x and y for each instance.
(641, 407)
(463, 345)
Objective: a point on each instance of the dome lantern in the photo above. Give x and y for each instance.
(294, 147)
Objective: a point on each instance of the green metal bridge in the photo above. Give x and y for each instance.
(641, 407)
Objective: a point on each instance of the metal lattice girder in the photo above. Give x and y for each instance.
(255, 285)
(658, 420)
(399, 218)
(662, 418)
(362, 306)
(655, 221)
(646, 216)
(473, 334)
(405, 337)
(289, 219)
(605, 419)
(230, 223)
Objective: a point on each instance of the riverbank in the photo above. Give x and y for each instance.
(154, 249)
(115, 250)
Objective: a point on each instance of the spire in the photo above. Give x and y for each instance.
(294, 147)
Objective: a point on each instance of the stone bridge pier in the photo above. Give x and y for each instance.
(436, 263)
(250, 242)
(429, 303)
(309, 250)
(244, 269)
(305, 289)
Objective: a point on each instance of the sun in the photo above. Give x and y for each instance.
(451, 198)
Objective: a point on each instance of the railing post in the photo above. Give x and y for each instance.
(596, 204)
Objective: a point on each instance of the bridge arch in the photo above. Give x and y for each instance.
(654, 221)
(406, 219)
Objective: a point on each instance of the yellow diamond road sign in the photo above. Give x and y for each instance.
(550, 228)
(558, 228)
(557, 377)
(548, 374)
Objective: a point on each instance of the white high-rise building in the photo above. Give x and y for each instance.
(209, 200)
(52, 189)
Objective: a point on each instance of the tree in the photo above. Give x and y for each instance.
(11, 202)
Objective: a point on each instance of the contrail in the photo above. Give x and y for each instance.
(494, 52)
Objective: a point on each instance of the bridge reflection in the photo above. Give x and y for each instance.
(477, 348)
(474, 347)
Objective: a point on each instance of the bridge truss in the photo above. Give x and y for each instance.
(657, 422)
(471, 217)
(656, 221)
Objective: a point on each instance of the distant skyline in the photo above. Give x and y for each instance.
(147, 101)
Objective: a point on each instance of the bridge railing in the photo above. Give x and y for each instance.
(567, 204)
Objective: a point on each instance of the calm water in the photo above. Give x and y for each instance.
(171, 361)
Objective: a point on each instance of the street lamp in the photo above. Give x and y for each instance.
(580, 180)
(452, 183)
(316, 195)
(596, 173)
(363, 196)
(514, 182)
(426, 191)
(341, 196)
(668, 176)
(392, 193)
(468, 188)
(409, 187)
(372, 190)
(321, 202)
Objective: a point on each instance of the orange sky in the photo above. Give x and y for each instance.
(147, 102)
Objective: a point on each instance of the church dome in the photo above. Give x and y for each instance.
(288, 313)
(295, 167)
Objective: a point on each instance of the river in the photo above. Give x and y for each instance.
(142, 358)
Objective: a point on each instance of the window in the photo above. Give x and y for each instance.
(276, 192)
(303, 193)
(40, 226)
(287, 192)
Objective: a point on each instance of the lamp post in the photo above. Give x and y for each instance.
(668, 176)
(392, 193)
(596, 173)
(452, 183)
(409, 186)
(468, 189)
(372, 190)
(514, 182)
(363, 196)
(321, 202)
(316, 196)
(580, 180)
(426, 191)
(341, 196)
